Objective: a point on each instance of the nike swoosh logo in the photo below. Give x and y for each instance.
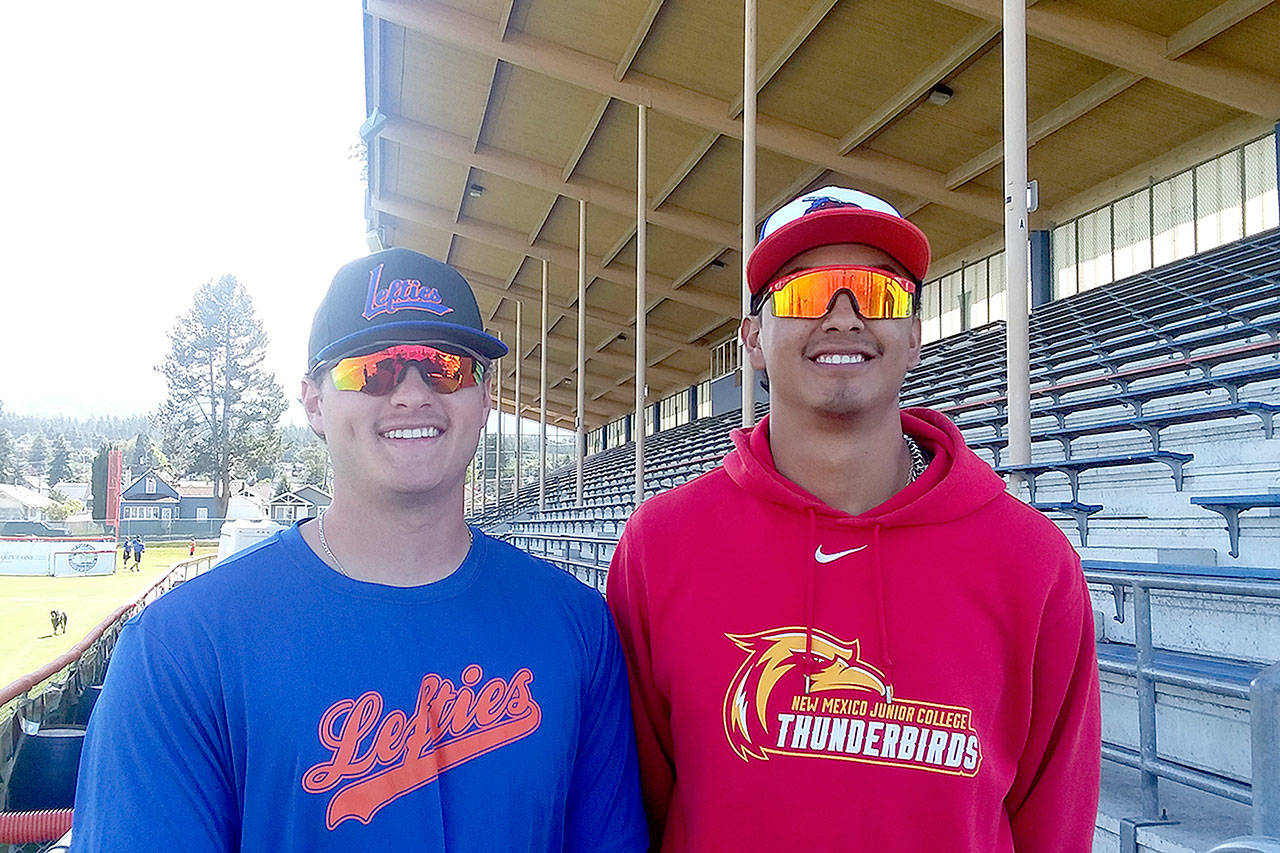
(827, 558)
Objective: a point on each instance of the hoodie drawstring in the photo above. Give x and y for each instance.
(884, 628)
(810, 561)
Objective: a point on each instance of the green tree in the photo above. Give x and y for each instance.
(145, 455)
(222, 413)
(38, 456)
(9, 472)
(59, 461)
(315, 464)
(282, 485)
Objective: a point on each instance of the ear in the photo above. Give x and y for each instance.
(311, 397)
(749, 332)
(913, 356)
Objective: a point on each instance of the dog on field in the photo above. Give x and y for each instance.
(59, 620)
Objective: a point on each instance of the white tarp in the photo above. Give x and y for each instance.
(27, 556)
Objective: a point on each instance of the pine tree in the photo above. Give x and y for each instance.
(59, 461)
(9, 472)
(220, 419)
(38, 456)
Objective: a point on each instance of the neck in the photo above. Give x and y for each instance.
(852, 463)
(397, 543)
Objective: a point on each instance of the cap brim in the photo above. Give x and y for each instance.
(412, 332)
(903, 241)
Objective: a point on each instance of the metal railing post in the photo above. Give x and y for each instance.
(1150, 785)
(1264, 724)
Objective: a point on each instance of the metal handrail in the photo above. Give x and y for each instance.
(1262, 792)
(87, 656)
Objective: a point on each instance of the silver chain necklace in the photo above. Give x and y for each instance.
(918, 461)
(337, 564)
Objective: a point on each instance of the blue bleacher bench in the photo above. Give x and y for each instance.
(1230, 507)
(1072, 468)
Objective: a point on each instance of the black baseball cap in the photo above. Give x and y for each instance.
(397, 296)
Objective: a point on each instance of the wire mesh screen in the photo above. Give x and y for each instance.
(1093, 248)
(1173, 218)
(1261, 206)
(1062, 252)
(1131, 224)
(973, 296)
(1219, 201)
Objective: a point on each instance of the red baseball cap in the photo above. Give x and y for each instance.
(835, 215)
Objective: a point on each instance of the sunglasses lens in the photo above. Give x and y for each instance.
(378, 373)
(879, 295)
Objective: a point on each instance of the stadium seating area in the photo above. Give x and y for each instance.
(1154, 449)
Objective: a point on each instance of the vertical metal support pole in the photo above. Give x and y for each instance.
(580, 436)
(497, 457)
(748, 196)
(542, 399)
(515, 489)
(484, 467)
(1150, 785)
(1015, 229)
(642, 237)
(1264, 720)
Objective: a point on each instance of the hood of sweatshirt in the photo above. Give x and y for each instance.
(955, 484)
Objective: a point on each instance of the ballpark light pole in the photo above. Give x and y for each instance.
(515, 489)
(748, 197)
(642, 236)
(580, 436)
(542, 399)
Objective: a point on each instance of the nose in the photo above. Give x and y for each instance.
(413, 388)
(842, 314)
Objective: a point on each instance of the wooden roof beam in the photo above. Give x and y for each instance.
(1213, 23)
(637, 39)
(944, 67)
(545, 176)
(1056, 119)
(593, 124)
(787, 49)
(1142, 52)
(545, 57)
(558, 309)
(514, 241)
(566, 344)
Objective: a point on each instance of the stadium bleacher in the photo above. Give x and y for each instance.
(1175, 371)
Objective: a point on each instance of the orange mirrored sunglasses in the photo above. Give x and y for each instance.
(377, 373)
(878, 294)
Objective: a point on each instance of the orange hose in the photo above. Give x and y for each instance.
(30, 827)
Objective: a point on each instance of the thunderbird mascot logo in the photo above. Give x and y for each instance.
(833, 665)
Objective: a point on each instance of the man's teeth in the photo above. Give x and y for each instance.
(423, 432)
(834, 358)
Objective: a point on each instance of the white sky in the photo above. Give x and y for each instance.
(147, 147)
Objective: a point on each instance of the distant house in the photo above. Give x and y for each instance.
(301, 503)
(18, 503)
(152, 506)
(73, 491)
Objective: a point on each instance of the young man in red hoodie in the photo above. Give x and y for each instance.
(866, 644)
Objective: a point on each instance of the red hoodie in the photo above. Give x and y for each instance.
(919, 677)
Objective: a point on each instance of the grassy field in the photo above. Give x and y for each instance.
(27, 641)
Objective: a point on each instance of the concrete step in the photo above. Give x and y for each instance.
(1201, 820)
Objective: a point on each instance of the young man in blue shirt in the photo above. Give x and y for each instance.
(383, 677)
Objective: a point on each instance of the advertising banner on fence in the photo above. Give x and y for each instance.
(64, 557)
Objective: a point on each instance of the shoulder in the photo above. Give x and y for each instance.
(528, 575)
(228, 592)
(679, 505)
